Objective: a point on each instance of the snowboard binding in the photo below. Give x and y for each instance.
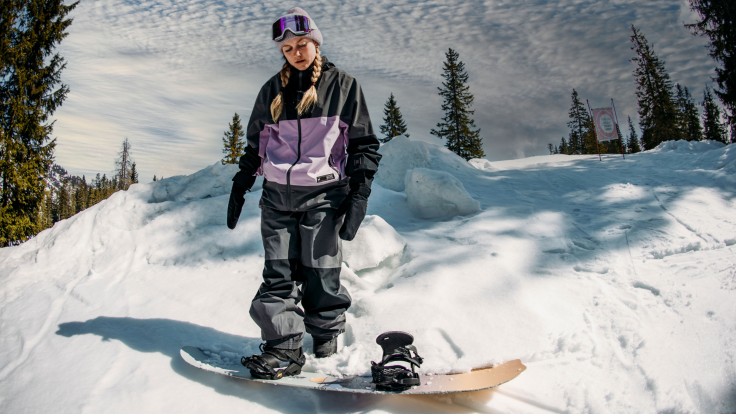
(273, 363)
(396, 347)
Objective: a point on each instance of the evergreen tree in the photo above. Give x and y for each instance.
(582, 131)
(718, 23)
(133, 174)
(233, 142)
(564, 147)
(393, 122)
(688, 121)
(30, 92)
(81, 196)
(713, 129)
(632, 142)
(457, 127)
(657, 111)
(123, 166)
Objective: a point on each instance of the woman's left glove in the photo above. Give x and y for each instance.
(242, 182)
(354, 207)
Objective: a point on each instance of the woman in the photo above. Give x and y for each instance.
(311, 138)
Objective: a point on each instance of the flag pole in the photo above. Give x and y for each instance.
(597, 141)
(618, 130)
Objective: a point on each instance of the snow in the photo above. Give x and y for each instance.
(614, 281)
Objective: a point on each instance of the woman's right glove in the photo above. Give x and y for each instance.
(242, 182)
(354, 207)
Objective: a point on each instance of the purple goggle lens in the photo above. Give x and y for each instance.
(297, 24)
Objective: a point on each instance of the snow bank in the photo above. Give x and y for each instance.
(403, 154)
(435, 194)
(376, 242)
(425, 172)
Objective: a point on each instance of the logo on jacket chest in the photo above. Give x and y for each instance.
(325, 178)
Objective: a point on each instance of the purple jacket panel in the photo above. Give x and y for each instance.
(318, 160)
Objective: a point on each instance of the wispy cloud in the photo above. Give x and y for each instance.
(169, 74)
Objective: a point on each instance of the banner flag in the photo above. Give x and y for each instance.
(605, 127)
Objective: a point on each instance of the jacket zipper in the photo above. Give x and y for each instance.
(290, 202)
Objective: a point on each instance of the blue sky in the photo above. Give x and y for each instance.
(169, 74)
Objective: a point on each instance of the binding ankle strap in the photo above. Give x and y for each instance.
(396, 347)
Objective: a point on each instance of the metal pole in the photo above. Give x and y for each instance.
(597, 141)
(618, 130)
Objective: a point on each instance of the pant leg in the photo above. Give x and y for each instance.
(275, 306)
(324, 299)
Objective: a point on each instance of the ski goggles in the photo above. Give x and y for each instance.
(295, 23)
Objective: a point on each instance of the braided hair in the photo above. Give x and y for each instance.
(310, 96)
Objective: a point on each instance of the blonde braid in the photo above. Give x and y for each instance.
(277, 105)
(310, 97)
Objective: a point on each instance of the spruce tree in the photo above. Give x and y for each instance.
(688, 121)
(713, 129)
(133, 174)
(564, 147)
(657, 111)
(718, 23)
(582, 131)
(30, 92)
(393, 122)
(632, 142)
(123, 166)
(457, 127)
(233, 142)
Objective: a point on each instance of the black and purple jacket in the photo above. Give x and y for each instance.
(315, 159)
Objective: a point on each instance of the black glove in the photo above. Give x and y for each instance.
(242, 182)
(354, 207)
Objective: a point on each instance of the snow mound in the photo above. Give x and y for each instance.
(685, 146)
(375, 242)
(212, 181)
(402, 154)
(482, 164)
(433, 194)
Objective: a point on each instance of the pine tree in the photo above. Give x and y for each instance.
(688, 121)
(233, 142)
(564, 147)
(632, 142)
(657, 111)
(718, 23)
(30, 92)
(133, 174)
(457, 127)
(393, 122)
(713, 129)
(123, 166)
(582, 132)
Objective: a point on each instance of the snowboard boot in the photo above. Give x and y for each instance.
(274, 363)
(324, 347)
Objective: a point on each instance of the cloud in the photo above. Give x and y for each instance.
(169, 74)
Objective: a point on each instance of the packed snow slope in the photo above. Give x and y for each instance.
(613, 280)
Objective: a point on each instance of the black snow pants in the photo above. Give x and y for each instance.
(302, 266)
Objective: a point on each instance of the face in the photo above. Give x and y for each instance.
(300, 52)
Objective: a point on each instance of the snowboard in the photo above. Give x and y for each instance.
(228, 363)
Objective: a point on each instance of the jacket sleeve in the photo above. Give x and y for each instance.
(259, 117)
(363, 156)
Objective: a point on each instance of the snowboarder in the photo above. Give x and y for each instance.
(310, 137)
